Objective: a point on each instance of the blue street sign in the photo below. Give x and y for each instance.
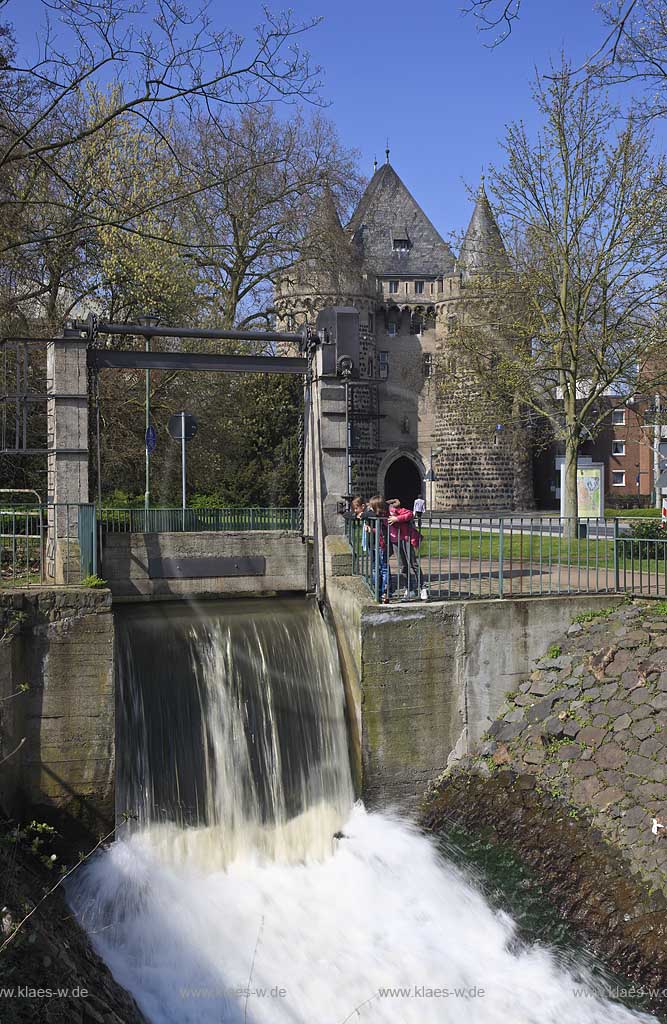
(151, 440)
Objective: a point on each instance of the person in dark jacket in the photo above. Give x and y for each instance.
(376, 515)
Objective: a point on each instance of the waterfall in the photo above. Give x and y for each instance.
(247, 888)
(232, 735)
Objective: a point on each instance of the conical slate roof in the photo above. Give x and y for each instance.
(325, 221)
(483, 250)
(327, 250)
(386, 217)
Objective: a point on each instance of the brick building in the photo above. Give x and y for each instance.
(410, 290)
(633, 452)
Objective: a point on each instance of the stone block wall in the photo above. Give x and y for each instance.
(58, 735)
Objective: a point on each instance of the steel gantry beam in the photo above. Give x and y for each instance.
(102, 359)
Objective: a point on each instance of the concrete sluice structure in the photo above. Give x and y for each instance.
(248, 884)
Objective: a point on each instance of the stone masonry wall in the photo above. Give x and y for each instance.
(573, 776)
(590, 724)
(57, 710)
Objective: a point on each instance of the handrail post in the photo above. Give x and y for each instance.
(616, 565)
(94, 539)
(501, 552)
(377, 559)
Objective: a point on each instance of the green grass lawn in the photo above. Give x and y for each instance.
(517, 547)
(632, 513)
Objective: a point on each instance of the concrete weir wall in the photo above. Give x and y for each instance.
(57, 714)
(204, 564)
(427, 680)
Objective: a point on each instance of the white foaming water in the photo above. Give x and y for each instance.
(248, 910)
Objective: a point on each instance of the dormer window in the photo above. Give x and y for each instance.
(401, 244)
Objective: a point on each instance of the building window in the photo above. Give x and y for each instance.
(618, 478)
(393, 321)
(416, 323)
(419, 287)
(427, 364)
(618, 417)
(401, 244)
(452, 323)
(371, 324)
(393, 287)
(383, 365)
(618, 447)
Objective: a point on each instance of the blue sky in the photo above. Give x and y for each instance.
(420, 74)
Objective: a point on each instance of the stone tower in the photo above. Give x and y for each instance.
(391, 264)
(484, 459)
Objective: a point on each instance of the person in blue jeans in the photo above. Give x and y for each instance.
(376, 515)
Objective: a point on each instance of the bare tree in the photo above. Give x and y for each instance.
(625, 20)
(582, 318)
(135, 60)
(494, 16)
(255, 188)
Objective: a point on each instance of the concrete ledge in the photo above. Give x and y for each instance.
(338, 556)
(426, 680)
(128, 557)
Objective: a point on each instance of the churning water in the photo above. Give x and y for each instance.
(250, 890)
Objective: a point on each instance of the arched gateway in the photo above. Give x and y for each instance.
(403, 480)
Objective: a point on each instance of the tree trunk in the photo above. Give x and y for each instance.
(571, 503)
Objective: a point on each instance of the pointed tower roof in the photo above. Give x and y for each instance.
(483, 250)
(325, 219)
(392, 233)
(329, 257)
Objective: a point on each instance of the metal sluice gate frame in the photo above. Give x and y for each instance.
(25, 385)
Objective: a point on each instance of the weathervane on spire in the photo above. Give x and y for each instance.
(387, 151)
(375, 164)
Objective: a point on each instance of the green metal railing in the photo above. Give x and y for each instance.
(22, 532)
(60, 543)
(196, 520)
(464, 557)
(47, 544)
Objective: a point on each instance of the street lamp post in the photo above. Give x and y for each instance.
(430, 476)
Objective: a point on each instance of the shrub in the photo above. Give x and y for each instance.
(94, 582)
(641, 533)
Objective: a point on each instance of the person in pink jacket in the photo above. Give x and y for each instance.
(406, 538)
